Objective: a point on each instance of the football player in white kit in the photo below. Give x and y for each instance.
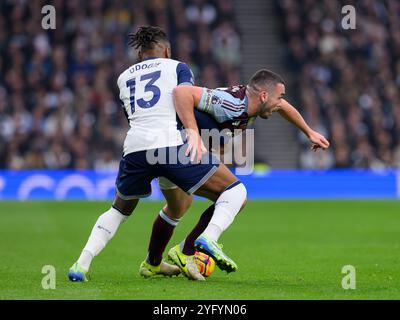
(146, 91)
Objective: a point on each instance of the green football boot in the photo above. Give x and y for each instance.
(213, 249)
(187, 264)
(147, 270)
(78, 274)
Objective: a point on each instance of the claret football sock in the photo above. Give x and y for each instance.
(163, 228)
(227, 207)
(104, 229)
(187, 246)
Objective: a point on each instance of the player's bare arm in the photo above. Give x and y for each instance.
(290, 113)
(185, 98)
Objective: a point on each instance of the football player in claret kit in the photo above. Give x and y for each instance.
(228, 108)
(146, 91)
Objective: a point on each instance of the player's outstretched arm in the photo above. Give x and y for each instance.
(185, 99)
(291, 114)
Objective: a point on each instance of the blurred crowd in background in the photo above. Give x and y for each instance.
(59, 104)
(347, 81)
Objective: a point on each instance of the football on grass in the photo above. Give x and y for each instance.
(205, 263)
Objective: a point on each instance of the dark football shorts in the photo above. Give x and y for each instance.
(138, 169)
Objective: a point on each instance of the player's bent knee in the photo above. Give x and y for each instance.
(125, 207)
(187, 202)
(178, 209)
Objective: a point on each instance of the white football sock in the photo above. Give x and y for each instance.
(104, 229)
(227, 207)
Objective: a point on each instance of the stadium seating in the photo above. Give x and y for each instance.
(58, 98)
(347, 80)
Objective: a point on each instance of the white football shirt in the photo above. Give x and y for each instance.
(146, 95)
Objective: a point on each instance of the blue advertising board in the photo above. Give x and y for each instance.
(272, 184)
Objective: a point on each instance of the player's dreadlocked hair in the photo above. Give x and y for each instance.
(146, 37)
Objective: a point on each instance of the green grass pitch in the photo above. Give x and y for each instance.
(284, 250)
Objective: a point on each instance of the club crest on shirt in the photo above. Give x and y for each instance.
(216, 100)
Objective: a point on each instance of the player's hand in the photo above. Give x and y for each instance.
(318, 141)
(196, 146)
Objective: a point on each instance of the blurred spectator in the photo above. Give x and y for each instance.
(201, 12)
(58, 98)
(347, 80)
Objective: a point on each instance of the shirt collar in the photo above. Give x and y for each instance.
(150, 58)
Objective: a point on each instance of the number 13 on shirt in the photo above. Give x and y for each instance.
(149, 87)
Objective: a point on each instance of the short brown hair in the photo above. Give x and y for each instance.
(265, 78)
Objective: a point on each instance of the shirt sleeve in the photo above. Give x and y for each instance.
(218, 104)
(185, 75)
